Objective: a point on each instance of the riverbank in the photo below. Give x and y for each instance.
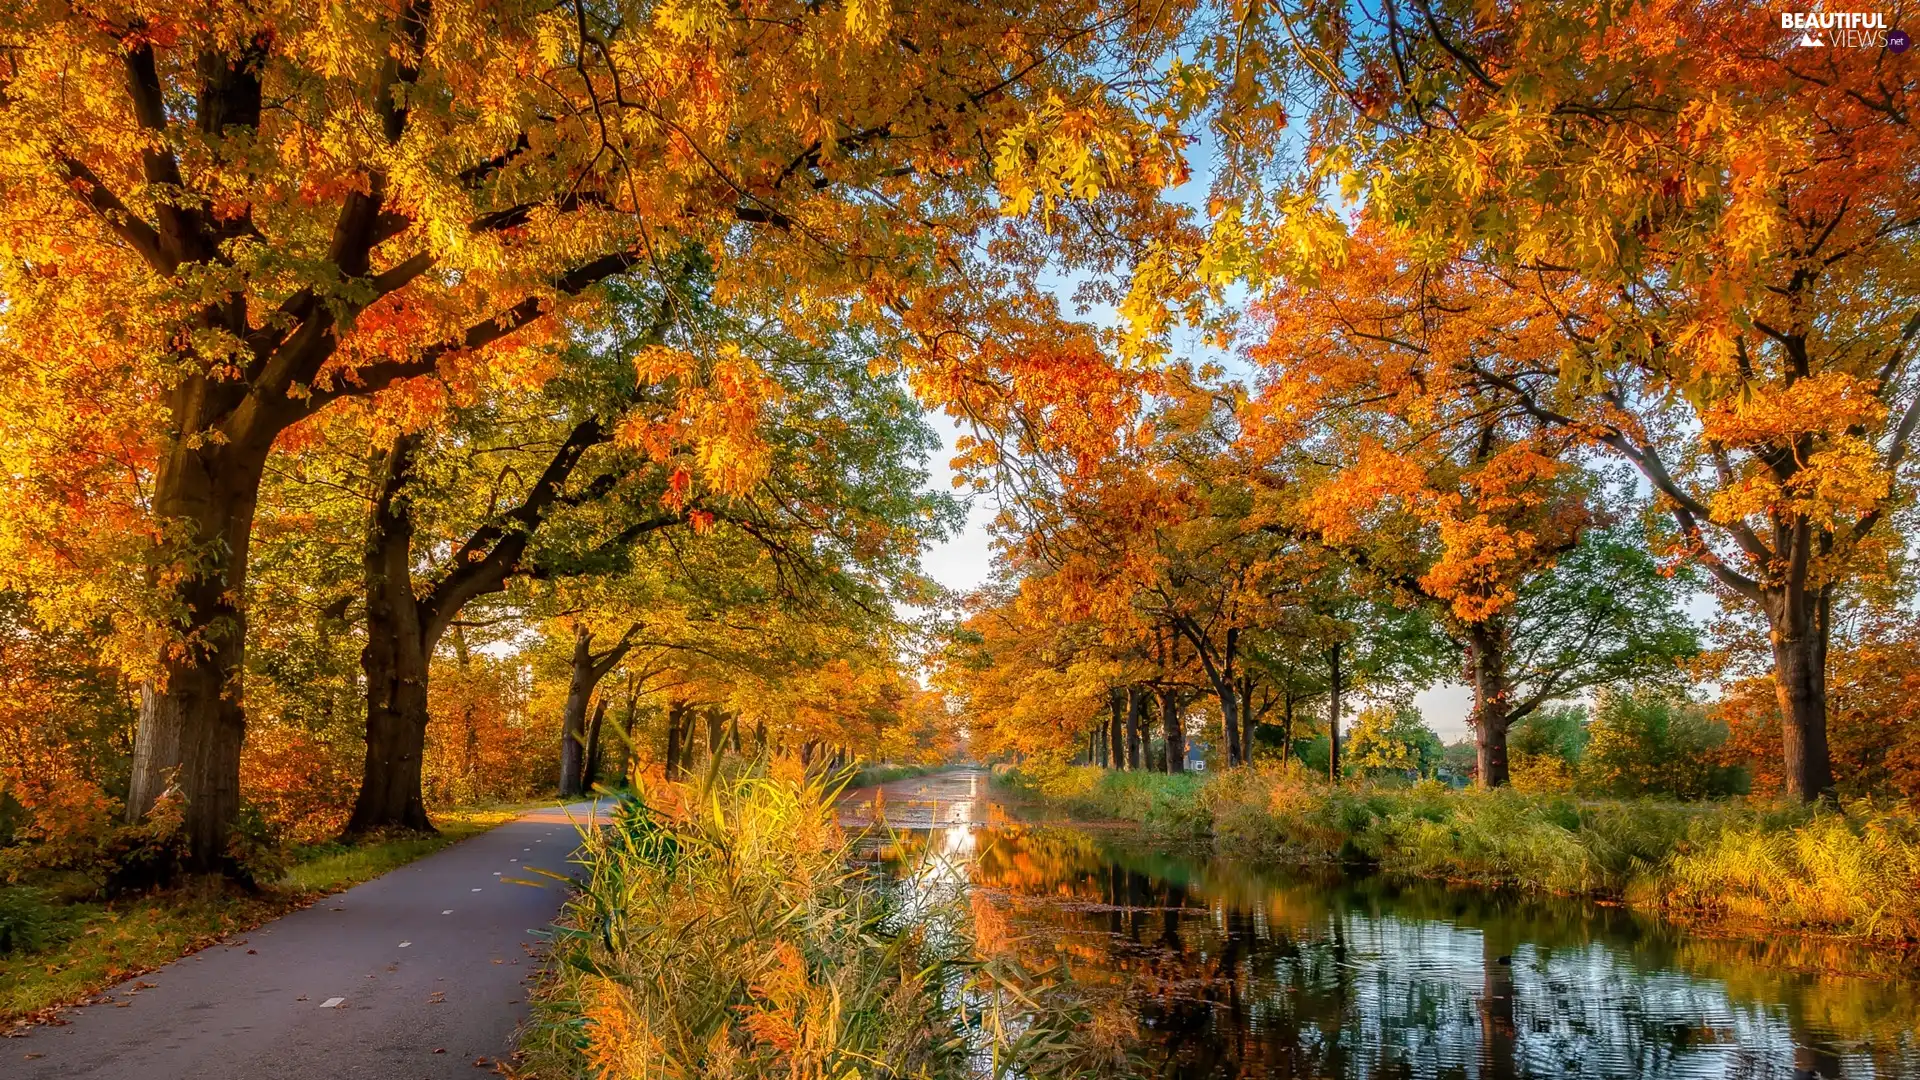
(1852, 871)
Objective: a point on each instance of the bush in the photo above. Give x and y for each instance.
(1652, 743)
(1540, 774)
(27, 920)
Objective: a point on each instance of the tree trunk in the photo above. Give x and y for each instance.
(1116, 734)
(716, 733)
(191, 727)
(1248, 719)
(1173, 731)
(1286, 728)
(1800, 630)
(470, 745)
(395, 661)
(1220, 676)
(590, 775)
(675, 710)
(1333, 712)
(1136, 722)
(573, 719)
(627, 721)
(1492, 704)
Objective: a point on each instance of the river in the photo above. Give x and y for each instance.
(1226, 970)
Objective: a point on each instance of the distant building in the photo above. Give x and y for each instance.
(1196, 755)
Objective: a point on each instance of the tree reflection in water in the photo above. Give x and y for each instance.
(1238, 974)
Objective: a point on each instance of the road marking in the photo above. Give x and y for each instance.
(496, 873)
(449, 911)
(404, 944)
(476, 890)
(333, 1003)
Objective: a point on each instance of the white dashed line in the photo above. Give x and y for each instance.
(476, 890)
(404, 944)
(449, 911)
(333, 1003)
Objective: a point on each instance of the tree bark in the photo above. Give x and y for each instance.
(1492, 698)
(1220, 676)
(192, 724)
(1116, 720)
(1136, 722)
(470, 749)
(573, 717)
(1249, 720)
(587, 670)
(1800, 631)
(1286, 729)
(676, 710)
(395, 661)
(628, 717)
(1173, 731)
(590, 775)
(1334, 688)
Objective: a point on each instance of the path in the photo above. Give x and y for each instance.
(415, 975)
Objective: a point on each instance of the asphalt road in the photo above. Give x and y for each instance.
(416, 975)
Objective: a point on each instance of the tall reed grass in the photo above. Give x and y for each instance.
(734, 934)
(1851, 870)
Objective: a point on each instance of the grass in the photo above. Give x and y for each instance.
(734, 935)
(78, 946)
(1851, 871)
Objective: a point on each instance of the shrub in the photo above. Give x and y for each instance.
(1652, 743)
(27, 920)
(1392, 739)
(1539, 774)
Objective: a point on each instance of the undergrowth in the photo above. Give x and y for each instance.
(736, 936)
(1851, 870)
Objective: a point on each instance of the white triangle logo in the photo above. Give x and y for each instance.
(1808, 41)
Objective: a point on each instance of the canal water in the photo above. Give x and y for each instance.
(1231, 971)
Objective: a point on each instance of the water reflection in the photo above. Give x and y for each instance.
(1237, 974)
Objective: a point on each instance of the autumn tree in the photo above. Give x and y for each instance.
(243, 217)
(1717, 226)
(1444, 492)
